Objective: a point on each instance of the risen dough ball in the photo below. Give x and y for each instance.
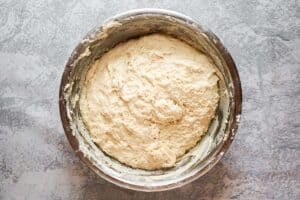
(149, 100)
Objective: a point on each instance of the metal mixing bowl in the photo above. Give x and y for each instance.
(133, 24)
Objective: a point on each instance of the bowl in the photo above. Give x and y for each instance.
(133, 24)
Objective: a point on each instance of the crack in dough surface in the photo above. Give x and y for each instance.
(149, 100)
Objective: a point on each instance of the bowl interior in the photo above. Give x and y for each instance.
(119, 29)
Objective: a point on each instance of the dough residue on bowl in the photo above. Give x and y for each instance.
(149, 100)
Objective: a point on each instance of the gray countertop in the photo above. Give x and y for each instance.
(36, 39)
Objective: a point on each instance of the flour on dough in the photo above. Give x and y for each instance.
(149, 100)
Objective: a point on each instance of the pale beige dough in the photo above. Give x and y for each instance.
(149, 100)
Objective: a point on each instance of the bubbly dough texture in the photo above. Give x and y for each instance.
(149, 100)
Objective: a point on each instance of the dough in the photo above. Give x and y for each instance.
(149, 100)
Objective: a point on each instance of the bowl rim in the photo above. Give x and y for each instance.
(237, 97)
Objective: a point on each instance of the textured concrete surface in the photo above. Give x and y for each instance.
(36, 38)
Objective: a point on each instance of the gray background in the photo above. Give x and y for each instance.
(36, 39)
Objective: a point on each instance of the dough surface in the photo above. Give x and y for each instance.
(149, 100)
